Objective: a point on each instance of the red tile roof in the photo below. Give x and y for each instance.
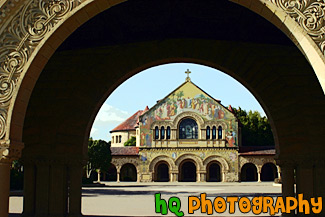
(128, 124)
(256, 150)
(125, 151)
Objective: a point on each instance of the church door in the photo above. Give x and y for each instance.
(188, 172)
(162, 173)
(214, 174)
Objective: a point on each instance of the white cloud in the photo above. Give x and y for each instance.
(108, 113)
(107, 118)
(93, 132)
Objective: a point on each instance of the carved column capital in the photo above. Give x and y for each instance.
(10, 150)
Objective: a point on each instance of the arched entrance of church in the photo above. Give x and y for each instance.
(128, 173)
(214, 172)
(187, 171)
(269, 172)
(248, 173)
(162, 172)
(50, 113)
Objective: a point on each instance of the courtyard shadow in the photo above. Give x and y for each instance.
(121, 192)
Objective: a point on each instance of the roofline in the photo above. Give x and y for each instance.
(112, 131)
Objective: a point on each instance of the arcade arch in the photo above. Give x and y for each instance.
(249, 173)
(162, 172)
(214, 172)
(276, 78)
(128, 173)
(269, 172)
(187, 171)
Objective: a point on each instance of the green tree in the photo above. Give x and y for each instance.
(131, 142)
(99, 154)
(256, 130)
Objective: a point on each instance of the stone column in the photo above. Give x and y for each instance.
(198, 177)
(138, 176)
(305, 178)
(279, 172)
(118, 174)
(29, 188)
(258, 176)
(58, 189)
(75, 184)
(259, 171)
(4, 187)
(203, 177)
(319, 177)
(98, 175)
(175, 176)
(203, 134)
(9, 151)
(287, 174)
(173, 134)
(170, 176)
(223, 177)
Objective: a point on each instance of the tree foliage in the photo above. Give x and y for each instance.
(130, 142)
(256, 130)
(99, 154)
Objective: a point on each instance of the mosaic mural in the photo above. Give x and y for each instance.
(187, 98)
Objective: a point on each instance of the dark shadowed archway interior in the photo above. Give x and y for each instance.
(248, 173)
(269, 172)
(162, 171)
(128, 173)
(187, 172)
(214, 172)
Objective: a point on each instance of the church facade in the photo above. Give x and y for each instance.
(187, 136)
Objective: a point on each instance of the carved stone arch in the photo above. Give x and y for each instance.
(199, 120)
(266, 161)
(222, 124)
(257, 161)
(270, 161)
(258, 168)
(123, 161)
(165, 158)
(197, 160)
(21, 46)
(224, 164)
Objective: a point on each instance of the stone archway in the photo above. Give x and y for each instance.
(275, 78)
(187, 171)
(224, 166)
(269, 172)
(162, 172)
(249, 173)
(214, 172)
(128, 173)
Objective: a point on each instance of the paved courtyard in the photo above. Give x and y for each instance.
(137, 199)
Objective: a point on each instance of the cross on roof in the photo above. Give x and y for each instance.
(188, 75)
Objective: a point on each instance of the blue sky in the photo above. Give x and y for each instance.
(153, 84)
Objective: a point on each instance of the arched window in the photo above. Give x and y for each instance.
(188, 129)
(120, 139)
(208, 132)
(156, 133)
(116, 139)
(162, 133)
(219, 132)
(168, 132)
(214, 132)
(112, 139)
